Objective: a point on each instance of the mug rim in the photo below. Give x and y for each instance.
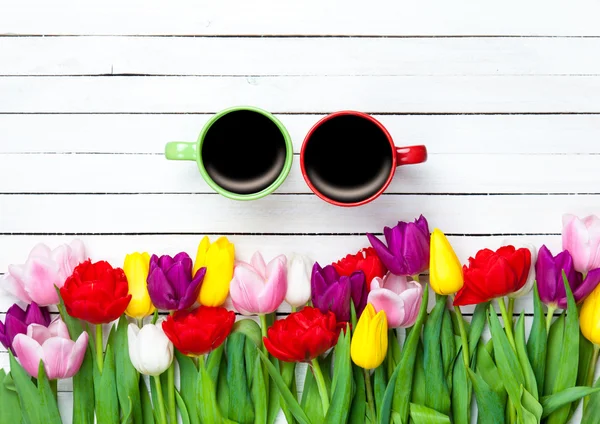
(360, 115)
(287, 166)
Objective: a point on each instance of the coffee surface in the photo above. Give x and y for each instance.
(348, 158)
(244, 152)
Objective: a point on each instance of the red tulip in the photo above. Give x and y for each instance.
(303, 336)
(96, 292)
(494, 274)
(200, 330)
(366, 260)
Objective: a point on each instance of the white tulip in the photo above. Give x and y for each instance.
(150, 350)
(517, 243)
(298, 274)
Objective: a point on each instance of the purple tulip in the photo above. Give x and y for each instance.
(330, 292)
(17, 320)
(170, 283)
(407, 250)
(549, 278)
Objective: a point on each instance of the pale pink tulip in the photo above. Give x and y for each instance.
(398, 297)
(257, 287)
(45, 269)
(52, 345)
(581, 237)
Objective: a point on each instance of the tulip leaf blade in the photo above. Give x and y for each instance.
(146, 403)
(288, 373)
(107, 403)
(127, 377)
(423, 415)
(10, 409)
(213, 364)
(27, 392)
(311, 400)
(206, 392)
(476, 328)
(188, 377)
(537, 342)
(358, 408)
(379, 386)
(528, 373)
(532, 409)
(569, 356)
(404, 382)
(289, 398)
(437, 395)
(555, 339)
(240, 405)
(553, 402)
(185, 417)
(461, 392)
(448, 347)
(591, 414)
(258, 392)
(341, 386)
(47, 400)
(489, 403)
(250, 329)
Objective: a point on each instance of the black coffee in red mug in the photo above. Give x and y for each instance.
(348, 158)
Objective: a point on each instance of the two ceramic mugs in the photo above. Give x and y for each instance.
(348, 158)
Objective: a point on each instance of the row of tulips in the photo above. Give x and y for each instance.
(374, 353)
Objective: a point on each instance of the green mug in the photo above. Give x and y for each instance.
(243, 153)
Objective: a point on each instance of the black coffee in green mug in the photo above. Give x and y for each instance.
(243, 153)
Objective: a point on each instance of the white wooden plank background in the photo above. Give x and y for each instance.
(505, 94)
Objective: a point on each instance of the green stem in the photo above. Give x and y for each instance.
(511, 308)
(415, 277)
(200, 361)
(507, 323)
(591, 372)
(549, 316)
(171, 393)
(370, 397)
(463, 338)
(140, 322)
(294, 309)
(54, 387)
(263, 330)
(162, 413)
(321, 385)
(99, 347)
(155, 316)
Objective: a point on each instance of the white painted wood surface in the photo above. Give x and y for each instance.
(505, 94)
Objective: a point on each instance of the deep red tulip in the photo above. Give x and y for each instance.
(304, 335)
(200, 330)
(96, 292)
(366, 260)
(494, 274)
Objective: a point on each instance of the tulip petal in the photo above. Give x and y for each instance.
(201, 254)
(385, 255)
(192, 290)
(12, 327)
(77, 355)
(29, 352)
(274, 290)
(133, 345)
(58, 328)
(258, 263)
(161, 291)
(391, 303)
(576, 240)
(40, 250)
(36, 315)
(39, 278)
(245, 287)
(14, 287)
(39, 333)
(589, 284)
(57, 351)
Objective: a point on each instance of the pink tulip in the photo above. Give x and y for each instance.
(61, 356)
(259, 288)
(45, 269)
(581, 237)
(398, 297)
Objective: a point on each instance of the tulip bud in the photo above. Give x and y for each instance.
(581, 237)
(589, 317)
(136, 267)
(299, 269)
(445, 270)
(218, 259)
(150, 350)
(370, 339)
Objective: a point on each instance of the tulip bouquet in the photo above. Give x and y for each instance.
(152, 342)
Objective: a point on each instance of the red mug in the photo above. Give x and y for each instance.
(348, 158)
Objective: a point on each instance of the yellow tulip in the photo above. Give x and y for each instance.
(445, 270)
(136, 268)
(589, 318)
(218, 259)
(370, 339)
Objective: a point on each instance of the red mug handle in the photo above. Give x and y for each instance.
(411, 155)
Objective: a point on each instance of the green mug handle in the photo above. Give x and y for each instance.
(181, 150)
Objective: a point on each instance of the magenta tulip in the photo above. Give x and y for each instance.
(36, 280)
(52, 345)
(398, 297)
(257, 287)
(581, 237)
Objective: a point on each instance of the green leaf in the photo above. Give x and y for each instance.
(47, 400)
(569, 356)
(107, 403)
(379, 386)
(250, 329)
(213, 363)
(358, 409)
(448, 347)
(490, 405)
(311, 400)
(507, 363)
(586, 350)
(489, 372)
(207, 398)
(274, 399)
(185, 418)
(537, 342)
(408, 363)
(341, 386)
(188, 378)
(437, 395)
(423, 415)
(591, 414)
(10, 409)
(258, 391)
(528, 373)
(554, 348)
(461, 393)
(553, 402)
(289, 398)
(418, 382)
(386, 404)
(128, 387)
(288, 373)
(532, 409)
(146, 403)
(222, 388)
(27, 391)
(477, 325)
(240, 404)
